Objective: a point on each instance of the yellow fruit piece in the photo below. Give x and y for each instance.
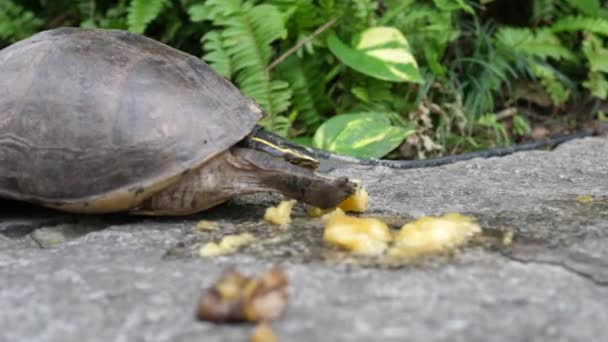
(207, 225)
(227, 244)
(366, 236)
(281, 214)
(434, 234)
(507, 238)
(235, 241)
(210, 249)
(357, 202)
(584, 199)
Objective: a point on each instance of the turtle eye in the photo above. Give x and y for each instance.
(301, 160)
(289, 154)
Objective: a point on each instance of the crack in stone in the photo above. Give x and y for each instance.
(38, 243)
(560, 264)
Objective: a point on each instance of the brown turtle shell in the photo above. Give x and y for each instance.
(98, 120)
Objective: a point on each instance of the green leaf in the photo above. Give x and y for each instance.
(16, 22)
(548, 78)
(521, 125)
(142, 13)
(429, 30)
(302, 16)
(362, 135)
(597, 84)
(453, 5)
(277, 124)
(380, 52)
(490, 121)
(543, 10)
(115, 18)
(305, 141)
(247, 32)
(542, 43)
(596, 53)
(310, 100)
(217, 57)
(200, 12)
(588, 7)
(580, 23)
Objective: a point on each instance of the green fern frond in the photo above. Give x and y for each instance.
(272, 95)
(481, 75)
(483, 86)
(380, 97)
(309, 96)
(87, 10)
(333, 8)
(277, 124)
(364, 10)
(543, 43)
(453, 5)
(142, 13)
(199, 12)
(15, 22)
(375, 92)
(114, 18)
(217, 56)
(307, 16)
(544, 9)
(587, 7)
(550, 82)
(597, 85)
(210, 11)
(580, 23)
(596, 53)
(301, 16)
(247, 32)
(283, 5)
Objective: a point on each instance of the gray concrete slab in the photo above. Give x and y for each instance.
(81, 278)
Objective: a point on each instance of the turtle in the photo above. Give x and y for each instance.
(102, 121)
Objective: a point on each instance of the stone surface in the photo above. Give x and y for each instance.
(116, 278)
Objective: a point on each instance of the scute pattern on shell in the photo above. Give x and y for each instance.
(84, 113)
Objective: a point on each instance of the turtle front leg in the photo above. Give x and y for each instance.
(240, 171)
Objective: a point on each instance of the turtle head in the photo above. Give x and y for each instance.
(276, 174)
(290, 154)
(262, 140)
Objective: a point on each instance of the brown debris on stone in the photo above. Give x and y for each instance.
(236, 297)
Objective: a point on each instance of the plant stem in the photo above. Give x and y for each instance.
(506, 113)
(295, 48)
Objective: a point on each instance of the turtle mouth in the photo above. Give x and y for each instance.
(335, 192)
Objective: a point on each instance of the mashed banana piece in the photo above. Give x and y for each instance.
(366, 236)
(507, 238)
(281, 214)
(584, 199)
(227, 244)
(207, 225)
(433, 234)
(357, 202)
